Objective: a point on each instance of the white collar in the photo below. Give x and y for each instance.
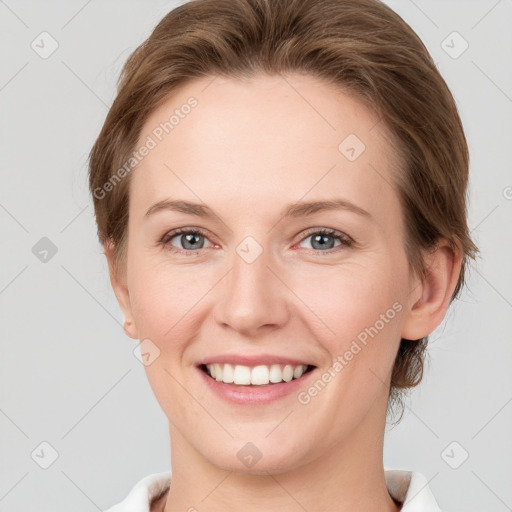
(411, 488)
(408, 487)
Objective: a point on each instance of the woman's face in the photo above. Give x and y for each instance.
(256, 283)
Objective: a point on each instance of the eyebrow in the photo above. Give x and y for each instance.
(294, 210)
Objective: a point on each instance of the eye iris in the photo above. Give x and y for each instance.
(320, 238)
(186, 239)
(190, 240)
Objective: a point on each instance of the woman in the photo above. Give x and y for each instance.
(280, 190)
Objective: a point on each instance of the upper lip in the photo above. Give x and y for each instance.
(252, 360)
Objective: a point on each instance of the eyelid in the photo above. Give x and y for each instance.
(346, 240)
(169, 235)
(327, 231)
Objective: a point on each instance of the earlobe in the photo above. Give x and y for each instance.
(122, 294)
(130, 329)
(430, 297)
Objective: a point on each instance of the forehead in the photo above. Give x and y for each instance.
(271, 137)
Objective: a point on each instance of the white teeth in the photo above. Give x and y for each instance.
(298, 371)
(242, 375)
(288, 373)
(276, 375)
(257, 376)
(219, 370)
(229, 374)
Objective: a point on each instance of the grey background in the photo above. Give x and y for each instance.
(68, 374)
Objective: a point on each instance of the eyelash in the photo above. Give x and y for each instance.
(345, 240)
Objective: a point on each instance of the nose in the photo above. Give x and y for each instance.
(253, 297)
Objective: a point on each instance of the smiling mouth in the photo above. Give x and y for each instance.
(260, 375)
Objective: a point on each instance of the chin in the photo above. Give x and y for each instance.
(259, 457)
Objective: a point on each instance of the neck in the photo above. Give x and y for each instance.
(345, 477)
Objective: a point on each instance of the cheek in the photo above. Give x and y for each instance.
(357, 319)
(165, 297)
(339, 301)
(361, 315)
(348, 299)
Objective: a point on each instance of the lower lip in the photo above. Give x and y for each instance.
(254, 395)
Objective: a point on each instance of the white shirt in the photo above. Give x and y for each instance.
(408, 487)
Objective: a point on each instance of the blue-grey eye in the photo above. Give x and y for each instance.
(191, 240)
(324, 240)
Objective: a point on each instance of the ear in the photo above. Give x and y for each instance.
(431, 296)
(120, 288)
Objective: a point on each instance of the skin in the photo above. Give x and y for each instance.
(248, 149)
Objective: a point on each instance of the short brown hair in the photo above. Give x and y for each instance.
(361, 46)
